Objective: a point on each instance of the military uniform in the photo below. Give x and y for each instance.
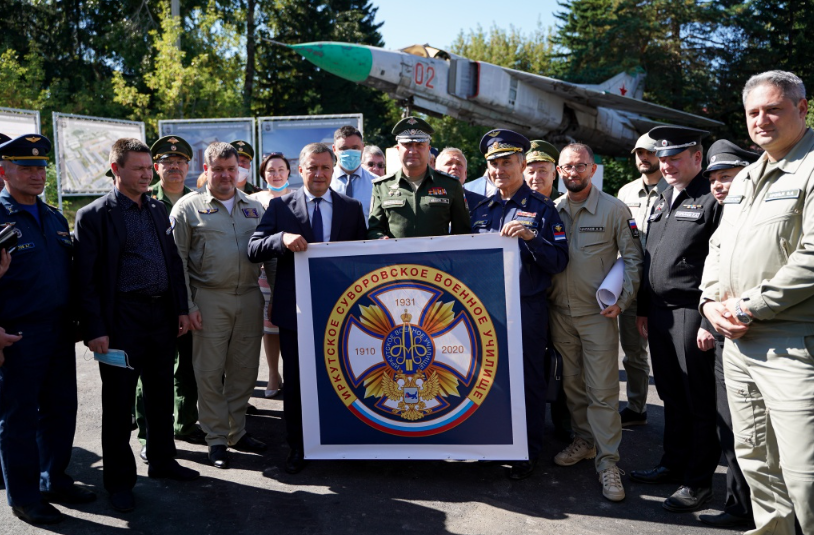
(761, 253)
(246, 150)
(38, 378)
(222, 285)
(599, 229)
(157, 192)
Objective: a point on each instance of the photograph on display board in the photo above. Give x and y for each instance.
(83, 151)
(408, 349)
(290, 134)
(15, 123)
(200, 133)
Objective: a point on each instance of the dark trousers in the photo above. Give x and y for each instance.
(37, 410)
(292, 400)
(146, 331)
(685, 381)
(738, 495)
(534, 320)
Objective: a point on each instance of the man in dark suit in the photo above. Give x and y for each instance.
(133, 299)
(314, 213)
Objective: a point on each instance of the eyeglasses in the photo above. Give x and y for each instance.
(379, 165)
(579, 168)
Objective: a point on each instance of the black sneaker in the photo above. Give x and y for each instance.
(631, 418)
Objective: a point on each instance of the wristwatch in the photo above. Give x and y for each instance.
(742, 316)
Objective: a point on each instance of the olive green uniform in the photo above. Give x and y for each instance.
(437, 208)
(598, 231)
(637, 369)
(186, 392)
(763, 253)
(222, 285)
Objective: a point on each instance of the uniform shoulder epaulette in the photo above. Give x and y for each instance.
(540, 197)
(382, 178)
(52, 207)
(444, 175)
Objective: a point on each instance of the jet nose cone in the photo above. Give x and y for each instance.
(351, 62)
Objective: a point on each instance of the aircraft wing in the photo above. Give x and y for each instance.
(591, 97)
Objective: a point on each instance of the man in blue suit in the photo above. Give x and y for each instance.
(314, 213)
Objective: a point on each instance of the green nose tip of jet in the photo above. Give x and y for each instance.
(351, 62)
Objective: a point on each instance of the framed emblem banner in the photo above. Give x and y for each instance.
(411, 349)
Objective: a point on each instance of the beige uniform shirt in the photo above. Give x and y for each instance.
(598, 233)
(763, 250)
(213, 244)
(635, 195)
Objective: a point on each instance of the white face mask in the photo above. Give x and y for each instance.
(243, 174)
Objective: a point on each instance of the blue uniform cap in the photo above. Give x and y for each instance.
(499, 143)
(672, 140)
(28, 150)
(723, 154)
(4, 138)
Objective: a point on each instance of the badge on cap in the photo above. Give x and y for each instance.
(411, 121)
(172, 140)
(33, 139)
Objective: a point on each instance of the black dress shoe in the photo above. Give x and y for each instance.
(38, 513)
(295, 461)
(631, 418)
(251, 410)
(173, 470)
(143, 455)
(249, 444)
(123, 501)
(219, 456)
(71, 495)
(522, 469)
(687, 499)
(659, 474)
(726, 520)
(196, 437)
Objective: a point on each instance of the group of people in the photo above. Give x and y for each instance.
(166, 286)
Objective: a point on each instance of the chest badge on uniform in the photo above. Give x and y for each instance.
(693, 206)
(660, 207)
(634, 230)
(437, 192)
(526, 214)
(251, 213)
(592, 229)
(18, 232)
(207, 210)
(559, 232)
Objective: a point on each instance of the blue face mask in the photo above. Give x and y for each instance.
(350, 160)
(281, 188)
(113, 357)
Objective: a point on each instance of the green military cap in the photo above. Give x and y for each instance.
(171, 146)
(412, 129)
(542, 151)
(243, 149)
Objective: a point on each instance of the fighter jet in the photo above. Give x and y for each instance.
(609, 116)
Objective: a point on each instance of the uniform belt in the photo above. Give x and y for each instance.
(140, 298)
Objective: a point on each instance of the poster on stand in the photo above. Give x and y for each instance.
(14, 122)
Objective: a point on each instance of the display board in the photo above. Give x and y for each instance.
(200, 133)
(411, 349)
(15, 123)
(290, 134)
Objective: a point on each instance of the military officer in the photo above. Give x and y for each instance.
(757, 292)
(416, 200)
(639, 195)
(724, 161)
(171, 156)
(541, 168)
(681, 225)
(212, 231)
(600, 228)
(38, 377)
(517, 211)
(245, 154)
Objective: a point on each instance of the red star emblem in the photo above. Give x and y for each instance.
(623, 90)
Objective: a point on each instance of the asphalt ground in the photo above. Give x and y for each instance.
(255, 495)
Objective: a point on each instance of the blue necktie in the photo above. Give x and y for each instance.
(349, 188)
(316, 222)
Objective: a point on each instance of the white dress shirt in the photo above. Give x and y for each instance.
(362, 185)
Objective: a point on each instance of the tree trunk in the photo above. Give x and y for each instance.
(248, 84)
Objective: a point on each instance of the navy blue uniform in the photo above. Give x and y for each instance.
(38, 380)
(540, 257)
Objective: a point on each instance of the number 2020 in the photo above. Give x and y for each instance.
(452, 349)
(418, 74)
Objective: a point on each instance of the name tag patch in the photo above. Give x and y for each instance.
(251, 213)
(634, 204)
(733, 199)
(24, 246)
(559, 232)
(481, 223)
(592, 229)
(683, 214)
(207, 211)
(783, 194)
(438, 200)
(394, 203)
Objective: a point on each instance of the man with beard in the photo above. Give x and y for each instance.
(600, 228)
(639, 195)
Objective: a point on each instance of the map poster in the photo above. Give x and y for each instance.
(290, 134)
(411, 349)
(15, 123)
(83, 150)
(200, 133)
